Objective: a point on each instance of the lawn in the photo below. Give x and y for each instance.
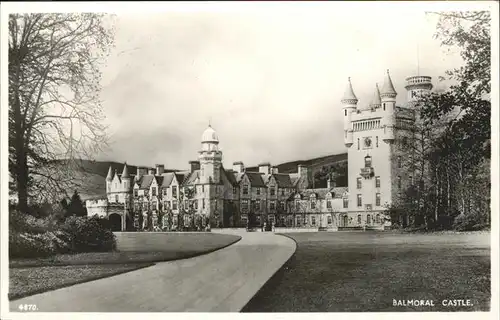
(365, 271)
(135, 250)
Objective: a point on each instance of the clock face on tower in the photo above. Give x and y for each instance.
(368, 142)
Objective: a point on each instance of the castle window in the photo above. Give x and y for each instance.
(368, 219)
(245, 189)
(244, 219)
(136, 193)
(329, 219)
(313, 204)
(358, 183)
(345, 112)
(244, 205)
(399, 162)
(399, 182)
(377, 182)
(368, 162)
(256, 205)
(272, 205)
(195, 204)
(299, 220)
(358, 143)
(377, 199)
(235, 190)
(174, 191)
(153, 191)
(313, 220)
(116, 198)
(376, 141)
(359, 219)
(203, 203)
(282, 192)
(282, 205)
(164, 192)
(360, 201)
(328, 204)
(202, 188)
(272, 191)
(258, 191)
(346, 202)
(174, 205)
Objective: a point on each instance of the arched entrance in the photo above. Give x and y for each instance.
(115, 221)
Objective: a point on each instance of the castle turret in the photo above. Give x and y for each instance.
(388, 99)
(376, 101)
(109, 178)
(417, 86)
(125, 178)
(210, 157)
(349, 102)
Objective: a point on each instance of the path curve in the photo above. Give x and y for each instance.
(221, 281)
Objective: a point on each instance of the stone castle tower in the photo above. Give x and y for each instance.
(210, 158)
(372, 133)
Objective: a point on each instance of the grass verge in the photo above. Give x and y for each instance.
(361, 271)
(29, 281)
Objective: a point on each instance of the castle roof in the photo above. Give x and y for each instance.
(255, 179)
(388, 88)
(349, 96)
(167, 179)
(283, 180)
(109, 177)
(146, 181)
(191, 178)
(376, 97)
(125, 172)
(209, 135)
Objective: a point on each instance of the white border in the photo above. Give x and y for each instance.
(135, 7)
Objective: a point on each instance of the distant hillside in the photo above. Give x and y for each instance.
(94, 172)
(314, 165)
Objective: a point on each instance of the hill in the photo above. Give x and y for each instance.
(92, 174)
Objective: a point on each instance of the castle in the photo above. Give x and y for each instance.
(235, 197)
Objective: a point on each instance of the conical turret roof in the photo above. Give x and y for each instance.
(109, 177)
(125, 171)
(388, 88)
(376, 97)
(349, 96)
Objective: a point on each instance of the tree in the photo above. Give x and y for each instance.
(76, 206)
(54, 108)
(451, 138)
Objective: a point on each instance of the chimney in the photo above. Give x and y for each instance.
(265, 168)
(238, 167)
(331, 183)
(140, 172)
(151, 171)
(274, 170)
(302, 170)
(160, 168)
(195, 165)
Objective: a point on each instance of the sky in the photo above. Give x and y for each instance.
(269, 81)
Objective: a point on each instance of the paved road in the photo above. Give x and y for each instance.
(222, 281)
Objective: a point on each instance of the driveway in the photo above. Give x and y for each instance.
(221, 281)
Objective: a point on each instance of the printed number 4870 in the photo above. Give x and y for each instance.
(27, 307)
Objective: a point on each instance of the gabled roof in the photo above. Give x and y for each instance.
(167, 179)
(230, 176)
(191, 178)
(283, 180)
(338, 192)
(255, 179)
(180, 176)
(146, 181)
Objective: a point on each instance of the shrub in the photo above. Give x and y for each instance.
(89, 234)
(464, 222)
(28, 245)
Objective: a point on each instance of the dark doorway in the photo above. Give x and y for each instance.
(344, 221)
(115, 221)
